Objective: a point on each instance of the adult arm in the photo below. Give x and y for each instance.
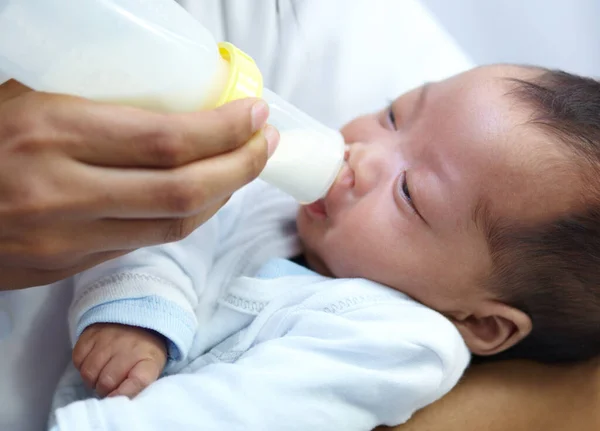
(517, 396)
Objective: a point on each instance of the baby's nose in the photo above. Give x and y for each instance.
(370, 162)
(346, 152)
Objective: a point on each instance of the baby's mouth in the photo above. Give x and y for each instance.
(344, 180)
(318, 208)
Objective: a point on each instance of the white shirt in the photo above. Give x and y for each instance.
(334, 59)
(258, 343)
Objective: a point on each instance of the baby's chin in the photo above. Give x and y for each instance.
(317, 264)
(314, 261)
(307, 235)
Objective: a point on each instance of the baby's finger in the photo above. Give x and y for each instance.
(93, 364)
(141, 375)
(82, 349)
(114, 373)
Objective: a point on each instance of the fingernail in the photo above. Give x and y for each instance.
(260, 113)
(272, 136)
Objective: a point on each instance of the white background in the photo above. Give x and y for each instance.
(553, 33)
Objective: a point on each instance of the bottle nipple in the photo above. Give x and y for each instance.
(305, 163)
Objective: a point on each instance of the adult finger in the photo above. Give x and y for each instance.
(178, 192)
(73, 249)
(12, 88)
(12, 278)
(112, 135)
(116, 235)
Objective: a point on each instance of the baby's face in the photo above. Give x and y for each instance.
(406, 209)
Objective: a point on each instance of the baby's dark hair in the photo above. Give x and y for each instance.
(552, 271)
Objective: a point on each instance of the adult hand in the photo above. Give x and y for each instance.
(83, 182)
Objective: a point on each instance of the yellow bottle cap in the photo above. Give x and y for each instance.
(245, 80)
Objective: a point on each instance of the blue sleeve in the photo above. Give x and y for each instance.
(151, 312)
(156, 288)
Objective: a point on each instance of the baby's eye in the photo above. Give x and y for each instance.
(404, 197)
(406, 191)
(392, 118)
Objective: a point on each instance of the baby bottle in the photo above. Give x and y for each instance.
(154, 55)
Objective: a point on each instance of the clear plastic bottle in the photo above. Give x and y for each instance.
(154, 55)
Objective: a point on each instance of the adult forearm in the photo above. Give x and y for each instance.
(517, 396)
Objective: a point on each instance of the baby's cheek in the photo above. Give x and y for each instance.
(346, 254)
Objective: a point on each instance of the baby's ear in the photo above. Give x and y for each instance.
(493, 328)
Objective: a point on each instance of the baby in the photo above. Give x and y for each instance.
(466, 219)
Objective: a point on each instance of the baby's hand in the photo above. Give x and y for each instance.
(118, 359)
